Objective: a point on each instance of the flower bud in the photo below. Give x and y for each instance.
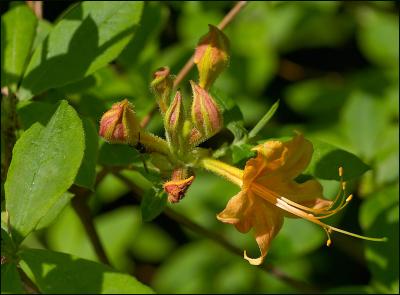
(211, 56)
(176, 188)
(174, 120)
(161, 86)
(206, 115)
(119, 124)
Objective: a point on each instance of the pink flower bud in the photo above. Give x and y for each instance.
(174, 120)
(211, 56)
(206, 115)
(161, 86)
(119, 124)
(176, 188)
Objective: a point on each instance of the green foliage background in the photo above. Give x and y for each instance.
(333, 65)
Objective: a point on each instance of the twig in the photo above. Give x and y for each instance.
(146, 120)
(190, 63)
(79, 203)
(226, 20)
(8, 127)
(29, 286)
(37, 7)
(181, 219)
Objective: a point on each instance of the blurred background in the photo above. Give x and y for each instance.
(333, 65)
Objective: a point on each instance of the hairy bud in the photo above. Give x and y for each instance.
(119, 124)
(161, 86)
(206, 115)
(211, 56)
(174, 120)
(176, 188)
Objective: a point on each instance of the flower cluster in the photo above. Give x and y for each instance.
(268, 189)
(184, 129)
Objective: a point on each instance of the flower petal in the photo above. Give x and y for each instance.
(284, 159)
(296, 192)
(236, 212)
(266, 221)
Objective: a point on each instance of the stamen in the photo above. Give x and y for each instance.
(269, 196)
(340, 171)
(328, 241)
(349, 198)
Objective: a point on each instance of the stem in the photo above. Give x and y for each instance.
(37, 7)
(181, 219)
(8, 127)
(29, 286)
(190, 63)
(222, 25)
(154, 143)
(79, 203)
(146, 120)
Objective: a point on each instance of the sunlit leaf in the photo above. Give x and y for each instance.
(18, 29)
(44, 164)
(327, 159)
(88, 37)
(379, 217)
(54, 271)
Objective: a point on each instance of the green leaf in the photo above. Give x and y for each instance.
(30, 112)
(88, 37)
(87, 172)
(55, 272)
(241, 152)
(379, 36)
(364, 132)
(233, 117)
(238, 130)
(289, 244)
(320, 98)
(42, 31)
(143, 246)
(260, 125)
(193, 21)
(148, 30)
(10, 280)
(117, 230)
(153, 203)
(55, 210)
(231, 111)
(18, 27)
(44, 164)
(379, 217)
(327, 159)
(117, 155)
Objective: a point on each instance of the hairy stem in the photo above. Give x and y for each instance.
(181, 219)
(190, 63)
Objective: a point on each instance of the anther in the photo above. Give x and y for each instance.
(340, 171)
(328, 242)
(349, 198)
(344, 185)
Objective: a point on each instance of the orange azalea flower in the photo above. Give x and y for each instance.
(269, 192)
